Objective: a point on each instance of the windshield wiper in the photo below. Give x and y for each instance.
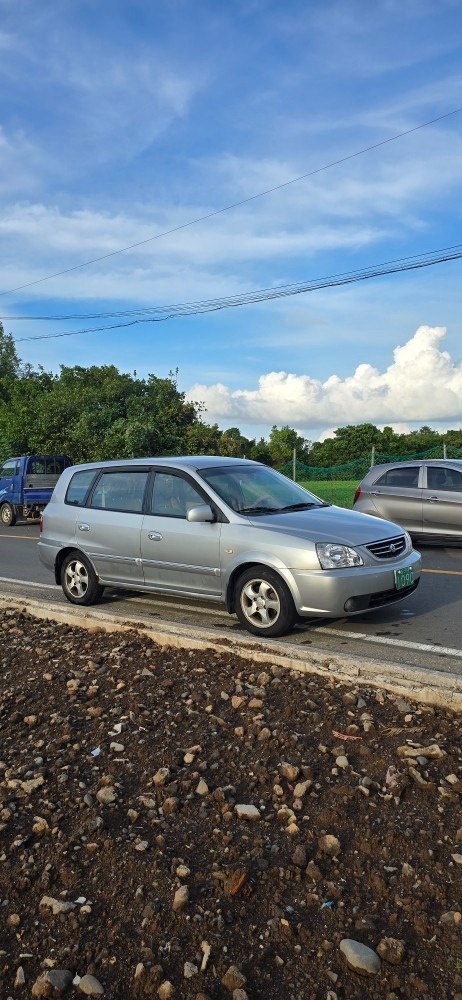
(259, 510)
(301, 506)
(281, 510)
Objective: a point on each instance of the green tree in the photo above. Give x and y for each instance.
(96, 413)
(282, 441)
(202, 439)
(453, 438)
(389, 442)
(233, 443)
(348, 443)
(9, 362)
(260, 452)
(422, 440)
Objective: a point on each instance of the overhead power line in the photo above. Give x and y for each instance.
(236, 204)
(159, 314)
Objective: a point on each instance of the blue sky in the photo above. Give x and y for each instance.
(123, 119)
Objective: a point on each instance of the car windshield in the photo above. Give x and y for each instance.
(256, 489)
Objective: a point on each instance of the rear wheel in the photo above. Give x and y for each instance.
(79, 580)
(263, 602)
(8, 515)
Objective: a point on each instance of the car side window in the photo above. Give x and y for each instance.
(173, 496)
(407, 478)
(9, 469)
(120, 491)
(79, 486)
(440, 478)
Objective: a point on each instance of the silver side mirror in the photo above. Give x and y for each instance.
(202, 512)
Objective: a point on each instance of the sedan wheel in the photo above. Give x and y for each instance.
(263, 602)
(79, 580)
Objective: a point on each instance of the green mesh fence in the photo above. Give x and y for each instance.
(337, 483)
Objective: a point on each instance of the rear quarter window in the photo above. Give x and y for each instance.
(404, 478)
(79, 486)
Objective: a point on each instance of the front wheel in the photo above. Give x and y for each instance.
(263, 602)
(79, 581)
(8, 515)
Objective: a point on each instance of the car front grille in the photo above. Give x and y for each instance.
(389, 548)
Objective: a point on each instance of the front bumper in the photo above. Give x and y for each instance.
(344, 592)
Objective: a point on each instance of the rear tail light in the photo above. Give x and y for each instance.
(357, 494)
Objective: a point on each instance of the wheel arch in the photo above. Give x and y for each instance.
(62, 555)
(274, 564)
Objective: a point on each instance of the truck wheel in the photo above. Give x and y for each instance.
(263, 602)
(79, 581)
(8, 515)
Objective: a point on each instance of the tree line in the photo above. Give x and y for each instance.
(98, 413)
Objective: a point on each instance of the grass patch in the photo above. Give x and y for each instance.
(338, 491)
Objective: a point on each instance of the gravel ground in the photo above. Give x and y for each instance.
(185, 824)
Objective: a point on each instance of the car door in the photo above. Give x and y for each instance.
(397, 496)
(179, 556)
(442, 501)
(10, 481)
(108, 528)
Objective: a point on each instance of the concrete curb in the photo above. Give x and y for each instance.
(431, 687)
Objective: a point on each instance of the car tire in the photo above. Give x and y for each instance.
(8, 515)
(79, 581)
(263, 602)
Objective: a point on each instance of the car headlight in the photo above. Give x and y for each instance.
(334, 556)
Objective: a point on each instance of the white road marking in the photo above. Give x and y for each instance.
(29, 583)
(421, 647)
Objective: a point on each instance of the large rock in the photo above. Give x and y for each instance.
(360, 958)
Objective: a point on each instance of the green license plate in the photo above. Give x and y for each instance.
(404, 578)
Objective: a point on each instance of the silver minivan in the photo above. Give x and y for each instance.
(225, 530)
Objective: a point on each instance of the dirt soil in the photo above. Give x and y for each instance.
(186, 824)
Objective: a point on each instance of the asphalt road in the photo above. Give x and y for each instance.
(426, 629)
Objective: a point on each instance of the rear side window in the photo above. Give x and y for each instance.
(35, 466)
(79, 486)
(440, 478)
(405, 478)
(51, 465)
(120, 491)
(54, 465)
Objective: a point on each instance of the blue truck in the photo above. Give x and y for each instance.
(26, 485)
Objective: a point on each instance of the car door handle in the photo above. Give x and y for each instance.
(154, 536)
(433, 499)
(84, 527)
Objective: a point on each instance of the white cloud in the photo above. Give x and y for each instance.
(422, 383)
